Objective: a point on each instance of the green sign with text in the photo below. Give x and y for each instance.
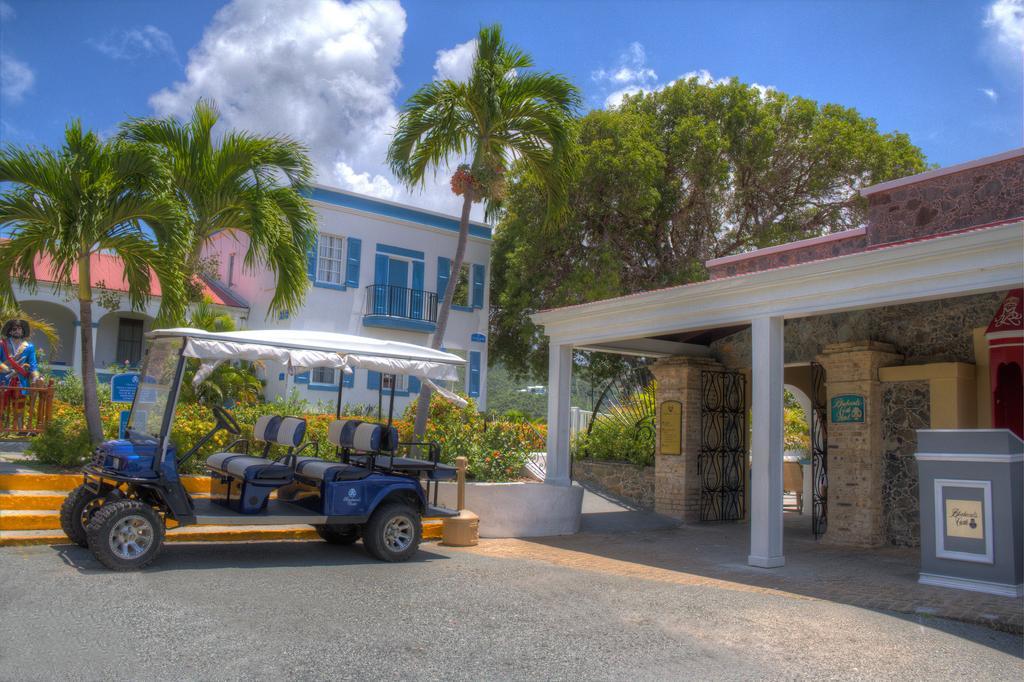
(848, 409)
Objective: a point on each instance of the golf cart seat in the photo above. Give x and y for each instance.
(243, 482)
(352, 434)
(316, 469)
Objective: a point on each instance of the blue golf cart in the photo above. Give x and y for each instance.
(367, 486)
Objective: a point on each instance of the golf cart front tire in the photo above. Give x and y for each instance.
(125, 535)
(393, 532)
(76, 511)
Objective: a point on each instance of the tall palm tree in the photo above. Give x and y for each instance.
(502, 115)
(66, 205)
(240, 181)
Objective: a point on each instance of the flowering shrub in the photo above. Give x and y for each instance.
(496, 450)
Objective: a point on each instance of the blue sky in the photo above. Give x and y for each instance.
(948, 73)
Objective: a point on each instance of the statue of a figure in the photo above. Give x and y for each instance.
(18, 365)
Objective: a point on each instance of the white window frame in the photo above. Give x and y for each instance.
(332, 381)
(401, 383)
(338, 258)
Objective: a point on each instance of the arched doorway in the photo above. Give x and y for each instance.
(1008, 398)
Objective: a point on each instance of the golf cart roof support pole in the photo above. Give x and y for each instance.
(341, 387)
(172, 400)
(391, 402)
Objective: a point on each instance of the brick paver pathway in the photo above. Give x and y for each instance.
(715, 555)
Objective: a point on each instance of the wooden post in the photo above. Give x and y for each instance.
(460, 467)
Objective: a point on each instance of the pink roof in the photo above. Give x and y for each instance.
(108, 271)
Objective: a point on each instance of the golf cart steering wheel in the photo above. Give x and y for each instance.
(225, 420)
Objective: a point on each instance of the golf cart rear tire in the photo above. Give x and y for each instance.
(374, 534)
(72, 510)
(107, 519)
(338, 534)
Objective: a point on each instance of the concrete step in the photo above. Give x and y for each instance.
(432, 529)
(35, 481)
(43, 499)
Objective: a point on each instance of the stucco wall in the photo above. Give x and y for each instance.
(931, 331)
(632, 483)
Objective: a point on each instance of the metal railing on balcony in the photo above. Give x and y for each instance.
(392, 301)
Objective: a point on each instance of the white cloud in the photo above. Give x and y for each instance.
(320, 71)
(990, 93)
(457, 63)
(1005, 21)
(145, 41)
(7, 12)
(16, 78)
(635, 77)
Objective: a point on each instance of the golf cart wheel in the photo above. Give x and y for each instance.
(125, 535)
(393, 533)
(76, 511)
(338, 534)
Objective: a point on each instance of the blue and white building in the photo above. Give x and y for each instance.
(379, 269)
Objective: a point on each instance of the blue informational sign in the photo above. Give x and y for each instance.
(122, 387)
(478, 338)
(124, 423)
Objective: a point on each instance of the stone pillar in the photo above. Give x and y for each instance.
(766, 444)
(559, 378)
(676, 484)
(855, 461)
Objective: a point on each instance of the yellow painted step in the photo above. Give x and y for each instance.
(36, 519)
(31, 499)
(431, 531)
(34, 481)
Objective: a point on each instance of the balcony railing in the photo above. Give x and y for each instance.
(385, 300)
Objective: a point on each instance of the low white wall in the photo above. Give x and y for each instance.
(520, 510)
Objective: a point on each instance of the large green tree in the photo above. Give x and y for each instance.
(670, 179)
(503, 114)
(89, 196)
(239, 181)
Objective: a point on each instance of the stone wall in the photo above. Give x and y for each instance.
(632, 483)
(906, 408)
(977, 196)
(758, 262)
(931, 331)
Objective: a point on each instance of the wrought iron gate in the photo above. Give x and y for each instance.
(722, 462)
(819, 451)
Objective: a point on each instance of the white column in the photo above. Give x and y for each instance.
(766, 445)
(559, 376)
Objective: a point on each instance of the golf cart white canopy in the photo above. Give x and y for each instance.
(300, 350)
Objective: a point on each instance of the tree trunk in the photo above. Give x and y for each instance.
(92, 403)
(423, 402)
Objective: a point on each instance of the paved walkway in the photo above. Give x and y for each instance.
(882, 579)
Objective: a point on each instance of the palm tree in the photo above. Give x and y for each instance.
(235, 182)
(66, 205)
(502, 115)
(229, 381)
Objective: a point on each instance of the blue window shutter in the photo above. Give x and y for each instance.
(302, 378)
(352, 263)
(478, 285)
(444, 267)
(350, 380)
(414, 385)
(373, 380)
(380, 281)
(416, 299)
(474, 374)
(311, 259)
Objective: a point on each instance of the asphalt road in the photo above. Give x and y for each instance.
(307, 610)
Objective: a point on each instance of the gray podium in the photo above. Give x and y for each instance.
(972, 514)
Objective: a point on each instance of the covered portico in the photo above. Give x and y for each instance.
(837, 274)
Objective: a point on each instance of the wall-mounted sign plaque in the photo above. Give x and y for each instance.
(964, 519)
(671, 427)
(848, 409)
